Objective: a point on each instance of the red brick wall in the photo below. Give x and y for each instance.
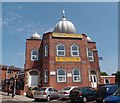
(7, 75)
(110, 78)
(29, 65)
(30, 45)
(52, 65)
(49, 62)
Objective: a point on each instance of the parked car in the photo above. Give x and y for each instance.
(30, 91)
(104, 91)
(82, 94)
(47, 93)
(115, 98)
(65, 92)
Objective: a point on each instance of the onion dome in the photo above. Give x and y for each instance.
(35, 36)
(64, 26)
(88, 39)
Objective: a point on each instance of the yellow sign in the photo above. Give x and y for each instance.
(68, 59)
(64, 35)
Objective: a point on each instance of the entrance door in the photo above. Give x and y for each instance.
(34, 80)
(94, 81)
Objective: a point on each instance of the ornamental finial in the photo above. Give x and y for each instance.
(63, 13)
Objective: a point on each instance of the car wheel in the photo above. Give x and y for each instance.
(84, 99)
(26, 95)
(48, 98)
(36, 99)
(98, 101)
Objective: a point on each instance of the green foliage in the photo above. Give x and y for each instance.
(103, 74)
(117, 78)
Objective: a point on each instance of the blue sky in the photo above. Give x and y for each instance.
(99, 21)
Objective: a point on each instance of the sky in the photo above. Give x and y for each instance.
(98, 20)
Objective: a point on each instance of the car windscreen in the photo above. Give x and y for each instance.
(41, 89)
(35, 88)
(67, 88)
(112, 89)
(76, 90)
(117, 93)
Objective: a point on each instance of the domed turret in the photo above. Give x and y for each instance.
(35, 36)
(64, 26)
(88, 39)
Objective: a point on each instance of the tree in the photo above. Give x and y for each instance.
(117, 77)
(103, 74)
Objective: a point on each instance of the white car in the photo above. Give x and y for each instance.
(65, 92)
(47, 93)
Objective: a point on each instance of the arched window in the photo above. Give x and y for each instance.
(34, 55)
(61, 75)
(76, 75)
(60, 50)
(90, 54)
(46, 76)
(46, 50)
(74, 50)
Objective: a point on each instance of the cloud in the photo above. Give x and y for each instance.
(16, 24)
(19, 29)
(49, 30)
(19, 7)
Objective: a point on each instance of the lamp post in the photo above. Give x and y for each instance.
(7, 72)
(15, 77)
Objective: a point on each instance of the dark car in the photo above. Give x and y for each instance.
(82, 94)
(115, 98)
(104, 91)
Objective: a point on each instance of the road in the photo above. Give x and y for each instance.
(41, 101)
(24, 99)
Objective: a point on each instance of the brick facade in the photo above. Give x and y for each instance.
(107, 80)
(87, 68)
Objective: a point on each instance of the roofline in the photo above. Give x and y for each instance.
(108, 76)
(14, 68)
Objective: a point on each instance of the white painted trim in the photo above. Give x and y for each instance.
(60, 50)
(75, 50)
(107, 76)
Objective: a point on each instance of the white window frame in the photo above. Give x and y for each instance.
(105, 81)
(46, 50)
(60, 76)
(90, 57)
(46, 76)
(77, 51)
(34, 55)
(60, 50)
(79, 76)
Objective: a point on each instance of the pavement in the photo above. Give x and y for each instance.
(5, 97)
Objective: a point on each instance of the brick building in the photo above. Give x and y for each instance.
(107, 80)
(6, 73)
(61, 58)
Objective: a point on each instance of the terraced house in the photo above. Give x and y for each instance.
(61, 58)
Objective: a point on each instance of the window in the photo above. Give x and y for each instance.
(76, 75)
(9, 71)
(107, 81)
(90, 55)
(61, 75)
(74, 50)
(34, 55)
(46, 50)
(60, 50)
(46, 75)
